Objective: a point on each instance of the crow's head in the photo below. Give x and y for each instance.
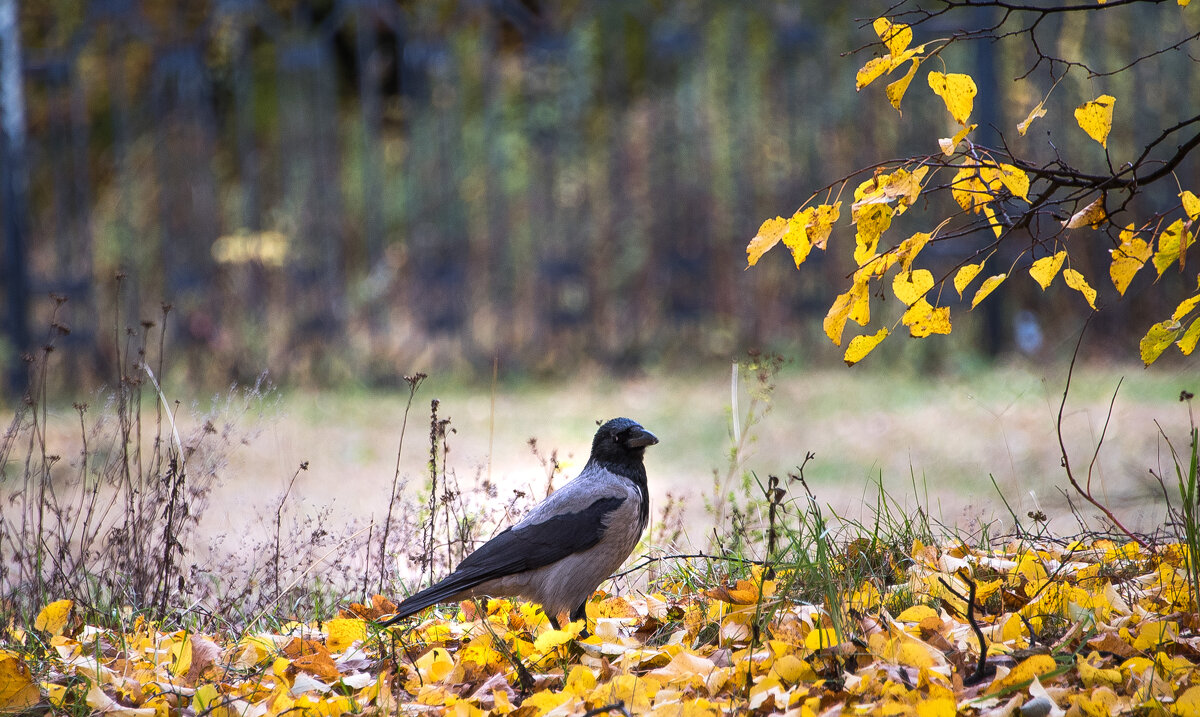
(621, 441)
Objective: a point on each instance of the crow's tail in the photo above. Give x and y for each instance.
(442, 591)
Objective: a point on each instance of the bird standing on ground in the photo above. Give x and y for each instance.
(569, 543)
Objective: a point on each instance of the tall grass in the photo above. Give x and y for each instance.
(109, 514)
(110, 525)
(1187, 517)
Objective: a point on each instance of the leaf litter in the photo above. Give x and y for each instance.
(1068, 628)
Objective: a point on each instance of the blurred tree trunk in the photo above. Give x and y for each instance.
(14, 197)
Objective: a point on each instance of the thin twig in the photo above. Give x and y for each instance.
(413, 382)
(981, 667)
(1066, 462)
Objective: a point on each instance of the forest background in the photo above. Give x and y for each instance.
(546, 208)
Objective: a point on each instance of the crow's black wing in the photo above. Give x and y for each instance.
(518, 550)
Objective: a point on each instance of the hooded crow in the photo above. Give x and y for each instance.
(569, 543)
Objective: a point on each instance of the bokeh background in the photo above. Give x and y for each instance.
(342, 192)
(347, 190)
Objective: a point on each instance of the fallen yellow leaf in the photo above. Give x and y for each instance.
(53, 618)
(343, 632)
(17, 689)
(1024, 672)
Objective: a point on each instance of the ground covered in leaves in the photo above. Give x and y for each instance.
(1079, 629)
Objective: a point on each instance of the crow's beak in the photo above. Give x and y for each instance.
(641, 438)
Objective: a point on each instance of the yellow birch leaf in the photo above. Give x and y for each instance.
(769, 234)
(435, 664)
(821, 638)
(1005, 176)
(860, 346)
(907, 187)
(988, 286)
(17, 689)
(1187, 344)
(1045, 269)
(546, 700)
(916, 614)
(1035, 113)
(964, 276)
(860, 310)
(1183, 3)
(1191, 204)
(1025, 671)
(835, 319)
(901, 186)
(1156, 340)
(895, 36)
(1095, 118)
(937, 707)
(792, 669)
(908, 249)
(1172, 246)
(102, 704)
(922, 319)
(949, 145)
(1187, 703)
(580, 681)
(551, 639)
(636, 691)
(1093, 676)
(876, 267)
(1091, 215)
(819, 228)
(342, 632)
(990, 213)
(1128, 259)
(1014, 628)
(914, 654)
(871, 71)
(53, 618)
(181, 652)
(957, 91)
(1155, 634)
(895, 90)
(968, 190)
(908, 286)
(872, 221)
(1185, 307)
(854, 305)
(796, 237)
(1076, 281)
(205, 698)
(57, 694)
